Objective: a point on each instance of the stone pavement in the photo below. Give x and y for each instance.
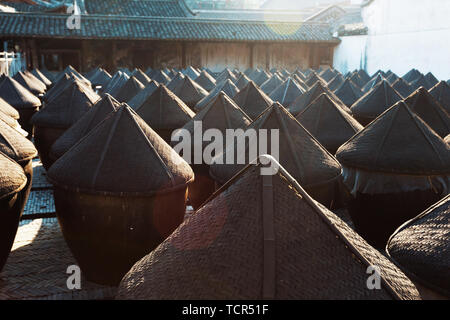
(40, 202)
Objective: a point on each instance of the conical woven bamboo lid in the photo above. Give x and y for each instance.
(271, 84)
(252, 100)
(421, 247)
(221, 114)
(372, 83)
(101, 110)
(363, 75)
(392, 78)
(309, 96)
(50, 75)
(9, 110)
(141, 76)
(287, 92)
(261, 78)
(398, 141)
(38, 74)
(328, 122)
(226, 86)
(175, 82)
(8, 120)
(441, 92)
(16, 95)
(299, 152)
(71, 70)
(227, 74)
(336, 82)
(15, 145)
(12, 177)
(190, 92)
(348, 93)
(164, 110)
(431, 79)
(375, 102)
(206, 81)
(121, 156)
(31, 83)
(426, 107)
(420, 82)
(356, 79)
(160, 77)
(67, 107)
(328, 74)
(412, 75)
(402, 87)
(129, 90)
(138, 99)
(117, 82)
(242, 81)
(191, 73)
(100, 77)
(263, 237)
(66, 80)
(313, 78)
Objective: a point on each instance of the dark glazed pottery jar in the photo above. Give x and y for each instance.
(22, 100)
(59, 114)
(12, 182)
(395, 168)
(221, 114)
(22, 151)
(119, 192)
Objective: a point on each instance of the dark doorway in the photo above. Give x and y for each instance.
(57, 60)
(142, 58)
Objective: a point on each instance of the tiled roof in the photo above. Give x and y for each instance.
(24, 7)
(329, 13)
(294, 5)
(5, 8)
(353, 29)
(138, 8)
(258, 15)
(151, 28)
(350, 23)
(146, 8)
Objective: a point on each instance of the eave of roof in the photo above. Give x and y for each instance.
(366, 3)
(186, 8)
(255, 15)
(324, 11)
(167, 8)
(353, 29)
(46, 25)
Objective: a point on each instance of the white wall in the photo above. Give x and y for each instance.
(350, 54)
(404, 34)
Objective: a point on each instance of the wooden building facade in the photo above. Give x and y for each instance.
(159, 34)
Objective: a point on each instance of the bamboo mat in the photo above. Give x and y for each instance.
(36, 267)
